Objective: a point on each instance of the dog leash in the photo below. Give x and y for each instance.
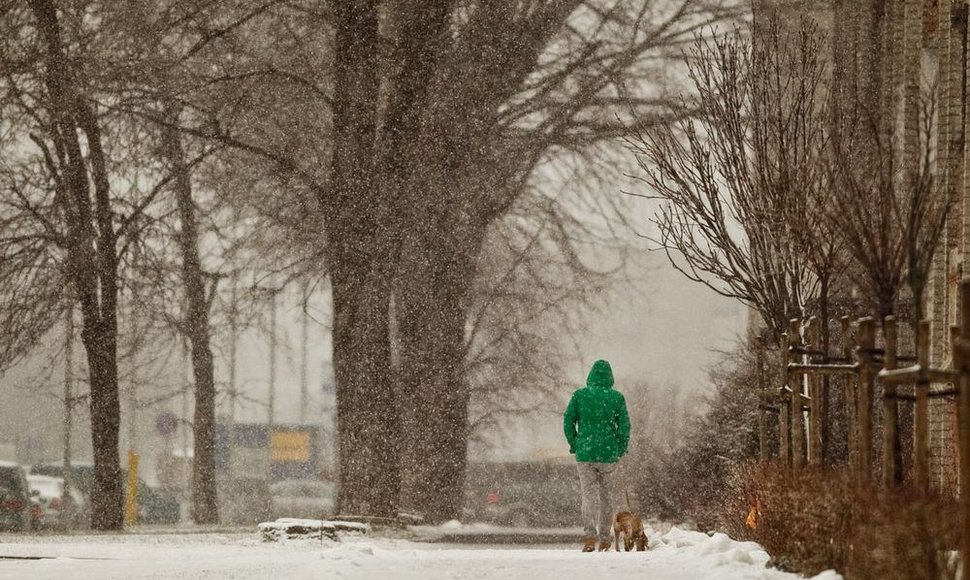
(626, 489)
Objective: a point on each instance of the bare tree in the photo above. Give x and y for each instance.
(80, 184)
(738, 178)
(90, 241)
(527, 312)
(890, 217)
(491, 121)
(198, 300)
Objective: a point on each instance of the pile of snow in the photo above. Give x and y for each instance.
(296, 528)
(717, 550)
(451, 525)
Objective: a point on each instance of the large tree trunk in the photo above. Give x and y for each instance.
(367, 413)
(436, 272)
(98, 288)
(205, 507)
(359, 251)
(100, 337)
(107, 496)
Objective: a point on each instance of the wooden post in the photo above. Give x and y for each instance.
(963, 365)
(783, 421)
(890, 432)
(850, 396)
(922, 421)
(797, 420)
(815, 403)
(867, 342)
(759, 349)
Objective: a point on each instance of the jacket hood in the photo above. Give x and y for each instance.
(600, 376)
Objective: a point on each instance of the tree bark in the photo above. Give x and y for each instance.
(100, 337)
(205, 507)
(367, 414)
(359, 251)
(436, 273)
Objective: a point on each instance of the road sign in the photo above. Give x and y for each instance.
(167, 423)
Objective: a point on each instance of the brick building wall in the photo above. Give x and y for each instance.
(945, 49)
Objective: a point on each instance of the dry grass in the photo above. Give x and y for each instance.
(820, 519)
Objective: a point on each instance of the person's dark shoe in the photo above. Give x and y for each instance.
(604, 545)
(589, 545)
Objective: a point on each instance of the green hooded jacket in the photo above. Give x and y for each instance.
(596, 422)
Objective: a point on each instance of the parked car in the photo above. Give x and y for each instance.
(523, 494)
(302, 498)
(154, 506)
(244, 500)
(56, 509)
(14, 497)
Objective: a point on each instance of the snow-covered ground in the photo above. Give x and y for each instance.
(675, 555)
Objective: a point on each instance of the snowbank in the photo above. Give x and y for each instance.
(718, 548)
(717, 551)
(674, 555)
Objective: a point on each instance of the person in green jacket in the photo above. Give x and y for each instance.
(597, 427)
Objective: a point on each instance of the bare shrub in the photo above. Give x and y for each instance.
(818, 519)
(685, 479)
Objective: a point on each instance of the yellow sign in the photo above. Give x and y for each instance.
(290, 446)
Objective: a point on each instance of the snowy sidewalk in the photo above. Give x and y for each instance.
(677, 555)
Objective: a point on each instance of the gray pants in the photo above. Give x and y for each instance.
(596, 483)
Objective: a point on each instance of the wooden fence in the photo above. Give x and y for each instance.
(804, 363)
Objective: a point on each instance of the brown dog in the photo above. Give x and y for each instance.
(631, 527)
